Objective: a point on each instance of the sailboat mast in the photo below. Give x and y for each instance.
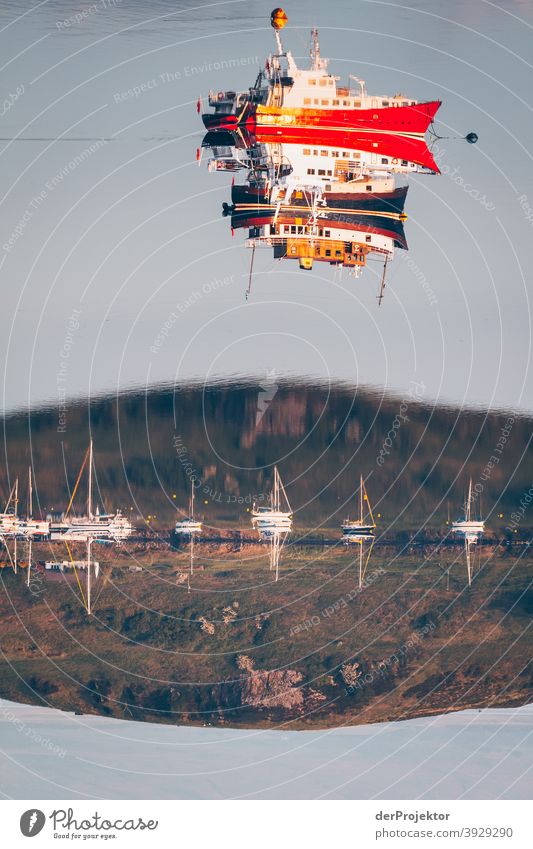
(30, 547)
(469, 501)
(30, 495)
(275, 504)
(90, 491)
(468, 562)
(89, 541)
(361, 499)
(15, 522)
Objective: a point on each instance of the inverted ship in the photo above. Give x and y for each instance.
(293, 105)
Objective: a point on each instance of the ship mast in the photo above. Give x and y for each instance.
(361, 499)
(317, 63)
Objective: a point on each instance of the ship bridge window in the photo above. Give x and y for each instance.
(330, 172)
(307, 151)
(324, 102)
(312, 82)
(323, 82)
(321, 172)
(405, 103)
(384, 160)
(293, 228)
(369, 188)
(368, 238)
(320, 232)
(328, 187)
(405, 162)
(384, 102)
(327, 233)
(335, 153)
(310, 170)
(338, 253)
(315, 101)
(336, 102)
(272, 229)
(345, 154)
(327, 252)
(307, 101)
(345, 102)
(323, 153)
(357, 104)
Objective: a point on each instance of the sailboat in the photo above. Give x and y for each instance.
(469, 528)
(353, 530)
(102, 527)
(276, 518)
(189, 526)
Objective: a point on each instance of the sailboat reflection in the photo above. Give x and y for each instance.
(471, 530)
(274, 522)
(186, 529)
(361, 531)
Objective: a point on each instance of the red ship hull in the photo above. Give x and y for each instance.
(395, 132)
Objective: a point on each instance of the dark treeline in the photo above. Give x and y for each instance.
(416, 459)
